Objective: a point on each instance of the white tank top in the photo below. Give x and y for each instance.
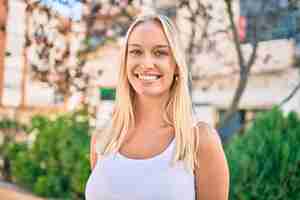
(117, 177)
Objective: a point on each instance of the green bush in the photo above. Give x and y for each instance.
(265, 161)
(55, 162)
(9, 130)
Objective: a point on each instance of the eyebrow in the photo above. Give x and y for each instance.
(156, 46)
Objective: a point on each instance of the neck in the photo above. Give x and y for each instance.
(150, 111)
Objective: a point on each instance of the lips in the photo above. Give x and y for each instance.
(148, 76)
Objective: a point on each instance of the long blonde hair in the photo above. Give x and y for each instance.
(178, 110)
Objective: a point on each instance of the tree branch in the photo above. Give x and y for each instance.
(290, 96)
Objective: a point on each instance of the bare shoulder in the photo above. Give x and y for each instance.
(212, 171)
(207, 136)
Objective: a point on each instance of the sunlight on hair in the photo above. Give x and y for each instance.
(178, 110)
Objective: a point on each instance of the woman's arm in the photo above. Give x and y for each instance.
(212, 173)
(93, 154)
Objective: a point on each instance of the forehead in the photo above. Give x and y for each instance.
(148, 34)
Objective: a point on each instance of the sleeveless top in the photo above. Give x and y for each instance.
(117, 177)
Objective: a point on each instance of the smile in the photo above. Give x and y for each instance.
(148, 77)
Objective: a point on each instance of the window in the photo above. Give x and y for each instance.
(234, 125)
(107, 94)
(279, 19)
(239, 121)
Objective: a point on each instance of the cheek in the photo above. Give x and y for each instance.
(172, 64)
(129, 74)
(172, 69)
(130, 65)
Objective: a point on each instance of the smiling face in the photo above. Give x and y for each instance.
(150, 64)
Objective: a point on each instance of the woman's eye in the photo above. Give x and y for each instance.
(160, 53)
(135, 52)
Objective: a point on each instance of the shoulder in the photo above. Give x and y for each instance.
(206, 137)
(208, 145)
(212, 168)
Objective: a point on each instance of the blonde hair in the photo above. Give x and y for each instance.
(178, 109)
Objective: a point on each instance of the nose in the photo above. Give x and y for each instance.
(148, 62)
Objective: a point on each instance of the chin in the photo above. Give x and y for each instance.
(152, 94)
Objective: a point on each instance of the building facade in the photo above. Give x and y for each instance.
(215, 71)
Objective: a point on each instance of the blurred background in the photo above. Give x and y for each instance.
(58, 74)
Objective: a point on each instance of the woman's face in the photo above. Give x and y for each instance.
(150, 64)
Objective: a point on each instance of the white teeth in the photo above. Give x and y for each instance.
(148, 77)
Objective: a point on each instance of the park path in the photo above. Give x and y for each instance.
(11, 192)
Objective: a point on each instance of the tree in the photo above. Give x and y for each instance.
(57, 47)
(245, 66)
(65, 69)
(200, 18)
(198, 13)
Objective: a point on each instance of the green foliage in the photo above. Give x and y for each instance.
(265, 161)
(55, 163)
(7, 123)
(9, 129)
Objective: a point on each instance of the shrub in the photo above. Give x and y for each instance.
(265, 161)
(55, 162)
(9, 130)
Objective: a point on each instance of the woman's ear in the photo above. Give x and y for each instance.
(176, 77)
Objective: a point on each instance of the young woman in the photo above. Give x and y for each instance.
(152, 149)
